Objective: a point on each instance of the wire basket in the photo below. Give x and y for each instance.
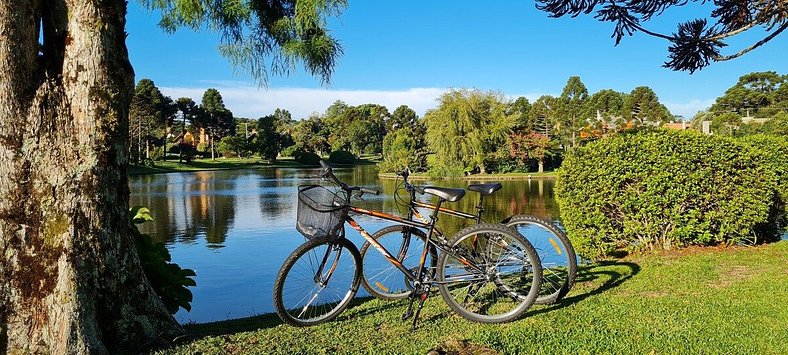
(321, 212)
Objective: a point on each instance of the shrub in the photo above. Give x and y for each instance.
(203, 148)
(342, 157)
(663, 189)
(306, 158)
(157, 153)
(774, 149)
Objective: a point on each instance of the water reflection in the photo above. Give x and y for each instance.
(235, 228)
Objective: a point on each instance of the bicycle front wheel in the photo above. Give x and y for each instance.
(491, 274)
(556, 254)
(380, 277)
(317, 282)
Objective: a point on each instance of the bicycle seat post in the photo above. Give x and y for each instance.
(480, 209)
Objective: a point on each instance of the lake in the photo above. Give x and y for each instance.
(235, 228)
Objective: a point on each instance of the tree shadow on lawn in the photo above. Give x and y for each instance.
(196, 331)
(590, 275)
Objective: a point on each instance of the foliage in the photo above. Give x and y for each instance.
(150, 114)
(263, 38)
(359, 129)
(234, 146)
(404, 145)
(267, 140)
(726, 123)
(777, 126)
(311, 135)
(642, 108)
(157, 153)
(306, 158)
(774, 149)
(467, 130)
(530, 146)
(696, 42)
(399, 152)
(168, 279)
(572, 112)
(757, 93)
(664, 189)
(342, 157)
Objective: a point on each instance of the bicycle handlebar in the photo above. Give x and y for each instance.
(329, 173)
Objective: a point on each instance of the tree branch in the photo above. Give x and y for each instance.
(750, 48)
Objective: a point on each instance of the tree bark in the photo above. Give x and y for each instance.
(70, 279)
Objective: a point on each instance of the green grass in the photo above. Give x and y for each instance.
(172, 166)
(697, 301)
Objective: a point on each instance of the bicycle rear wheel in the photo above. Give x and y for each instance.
(556, 254)
(317, 282)
(492, 274)
(380, 277)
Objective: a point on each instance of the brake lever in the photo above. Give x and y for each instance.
(357, 195)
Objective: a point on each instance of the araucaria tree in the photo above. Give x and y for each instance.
(70, 280)
(696, 42)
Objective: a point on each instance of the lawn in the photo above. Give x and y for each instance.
(712, 300)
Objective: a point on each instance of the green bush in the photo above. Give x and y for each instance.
(157, 153)
(306, 158)
(168, 279)
(663, 189)
(774, 149)
(342, 157)
(203, 148)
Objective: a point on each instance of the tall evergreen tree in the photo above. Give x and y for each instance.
(572, 111)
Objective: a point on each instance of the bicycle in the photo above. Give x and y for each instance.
(557, 256)
(486, 273)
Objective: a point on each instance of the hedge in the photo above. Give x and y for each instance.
(306, 158)
(665, 189)
(342, 157)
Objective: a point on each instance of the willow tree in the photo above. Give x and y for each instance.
(70, 280)
(468, 130)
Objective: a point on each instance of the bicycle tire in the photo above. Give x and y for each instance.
(496, 285)
(382, 279)
(556, 255)
(304, 262)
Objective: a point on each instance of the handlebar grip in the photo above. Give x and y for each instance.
(370, 191)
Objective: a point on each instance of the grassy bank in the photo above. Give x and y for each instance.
(692, 301)
(483, 177)
(173, 166)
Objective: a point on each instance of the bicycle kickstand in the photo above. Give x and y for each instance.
(422, 298)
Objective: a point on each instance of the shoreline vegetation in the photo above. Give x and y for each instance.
(207, 164)
(478, 177)
(666, 302)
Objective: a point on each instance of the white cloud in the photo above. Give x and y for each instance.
(688, 109)
(249, 101)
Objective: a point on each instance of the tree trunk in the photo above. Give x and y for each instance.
(541, 165)
(70, 279)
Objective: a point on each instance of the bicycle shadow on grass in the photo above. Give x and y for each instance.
(587, 281)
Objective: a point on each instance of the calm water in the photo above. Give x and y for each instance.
(235, 228)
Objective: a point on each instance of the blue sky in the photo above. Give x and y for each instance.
(408, 52)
